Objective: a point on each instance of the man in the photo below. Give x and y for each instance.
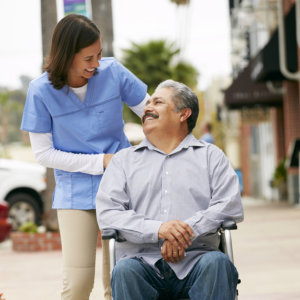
(167, 196)
(206, 128)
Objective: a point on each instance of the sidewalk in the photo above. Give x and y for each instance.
(37, 275)
(266, 251)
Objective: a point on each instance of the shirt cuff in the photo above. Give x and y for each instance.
(139, 109)
(201, 225)
(150, 232)
(101, 163)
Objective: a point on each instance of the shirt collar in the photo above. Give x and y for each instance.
(188, 141)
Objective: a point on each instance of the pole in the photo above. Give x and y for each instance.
(102, 16)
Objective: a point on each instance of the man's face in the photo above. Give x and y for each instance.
(160, 113)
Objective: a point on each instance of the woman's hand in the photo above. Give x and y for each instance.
(106, 159)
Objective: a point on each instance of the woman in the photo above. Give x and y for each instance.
(73, 114)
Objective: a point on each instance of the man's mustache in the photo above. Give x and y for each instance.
(155, 116)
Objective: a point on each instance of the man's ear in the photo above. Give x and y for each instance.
(185, 114)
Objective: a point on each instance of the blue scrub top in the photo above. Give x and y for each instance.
(93, 126)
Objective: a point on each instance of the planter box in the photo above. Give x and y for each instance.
(32, 242)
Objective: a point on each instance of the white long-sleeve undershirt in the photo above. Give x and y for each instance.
(46, 155)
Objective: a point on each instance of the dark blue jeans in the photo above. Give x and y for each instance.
(213, 277)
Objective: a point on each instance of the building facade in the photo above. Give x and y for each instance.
(264, 55)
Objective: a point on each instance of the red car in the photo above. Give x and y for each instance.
(5, 225)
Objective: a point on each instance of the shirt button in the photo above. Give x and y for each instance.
(165, 211)
(167, 173)
(166, 191)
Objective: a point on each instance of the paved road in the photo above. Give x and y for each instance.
(266, 251)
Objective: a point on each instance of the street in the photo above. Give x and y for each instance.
(266, 251)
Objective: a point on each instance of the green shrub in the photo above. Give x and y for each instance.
(28, 227)
(279, 175)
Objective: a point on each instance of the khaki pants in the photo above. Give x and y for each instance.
(79, 233)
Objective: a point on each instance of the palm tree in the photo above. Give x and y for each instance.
(48, 20)
(154, 62)
(181, 2)
(186, 73)
(151, 62)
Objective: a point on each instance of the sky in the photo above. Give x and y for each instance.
(201, 30)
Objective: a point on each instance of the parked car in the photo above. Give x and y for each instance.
(21, 185)
(5, 225)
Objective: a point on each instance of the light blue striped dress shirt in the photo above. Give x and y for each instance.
(143, 187)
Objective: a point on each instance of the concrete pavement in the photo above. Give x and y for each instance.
(37, 275)
(266, 251)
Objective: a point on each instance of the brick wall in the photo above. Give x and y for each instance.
(48, 241)
(245, 157)
(291, 113)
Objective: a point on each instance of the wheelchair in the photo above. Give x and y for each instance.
(225, 243)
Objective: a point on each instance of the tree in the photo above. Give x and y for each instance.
(25, 80)
(11, 107)
(49, 20)
(181, 2)
(4, 106)
(154, 62)
(185, 73)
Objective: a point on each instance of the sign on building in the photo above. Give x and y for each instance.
(82, 7)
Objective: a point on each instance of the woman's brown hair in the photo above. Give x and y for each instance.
(71, 34)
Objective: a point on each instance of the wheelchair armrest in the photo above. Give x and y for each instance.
(229, 225)
(107, 234)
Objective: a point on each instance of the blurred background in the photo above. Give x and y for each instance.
(241, 57)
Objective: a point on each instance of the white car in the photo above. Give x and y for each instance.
(21, 185)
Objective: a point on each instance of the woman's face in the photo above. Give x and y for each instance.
(84, 64)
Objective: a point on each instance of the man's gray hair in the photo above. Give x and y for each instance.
(183, 97)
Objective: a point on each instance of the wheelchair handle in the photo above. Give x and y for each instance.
(107, 234)
(229, 225)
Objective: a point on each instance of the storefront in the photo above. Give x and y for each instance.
(262, 86)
